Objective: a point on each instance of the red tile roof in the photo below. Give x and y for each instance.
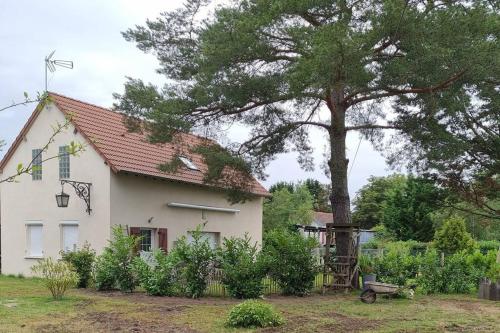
(125, 151)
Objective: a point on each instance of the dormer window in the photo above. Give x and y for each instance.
(188, 163)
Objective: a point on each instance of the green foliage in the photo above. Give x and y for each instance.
(193, 262)
(113, 268)
(370, 199)
(366, 265)
(289, 260)
(287, 209)
(408, 208)
(461, 272)
(252, 313)
(157, 278)
(453, 237)
(486, 246)
(242, 268)
(82, 260)
(397, 265)
(57, 276)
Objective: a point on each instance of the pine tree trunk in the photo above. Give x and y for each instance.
(338, 163)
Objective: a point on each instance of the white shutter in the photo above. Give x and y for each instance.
(35, 244)
(212, 237)
(70, 237)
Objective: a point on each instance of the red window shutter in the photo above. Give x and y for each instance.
(163, 239)
(135, 231)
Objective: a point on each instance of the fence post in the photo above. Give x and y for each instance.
(442, 259)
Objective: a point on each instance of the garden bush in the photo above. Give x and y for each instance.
(453, 237)
(253, 313)
(486, 246)
(461, 272)
(242, 268)
(157, 278)
(113, 268)
(193, 262)
(289, 260)
(57, 276)
(82, 260)
(397, 265)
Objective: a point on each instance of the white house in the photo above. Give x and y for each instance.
(126, 188)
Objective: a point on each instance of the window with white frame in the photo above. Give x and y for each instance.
(212, 237)
(34, 240)
(36, 171)
(69, 237)
(64, 162)
(146, 244)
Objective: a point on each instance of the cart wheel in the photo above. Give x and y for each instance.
(368, 296)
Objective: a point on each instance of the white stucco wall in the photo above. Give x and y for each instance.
(135, 199)
(34, 200)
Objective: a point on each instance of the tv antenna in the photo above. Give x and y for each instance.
(51, 65)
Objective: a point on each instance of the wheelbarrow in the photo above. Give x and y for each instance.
(372, 288)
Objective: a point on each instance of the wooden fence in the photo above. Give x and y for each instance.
(216, 288)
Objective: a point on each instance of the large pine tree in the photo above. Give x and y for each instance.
(285, 66)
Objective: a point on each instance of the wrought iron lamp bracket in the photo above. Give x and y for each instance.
(82, 190)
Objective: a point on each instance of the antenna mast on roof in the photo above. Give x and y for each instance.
(51, 65)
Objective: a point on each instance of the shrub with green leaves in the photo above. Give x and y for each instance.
(486, 246)
(82, 260)
(193, 262)
(113, 268)
(57, 276)
(453, 237)
(242, 267)
(289, 260)
(397, 265)
(253, 313)
(157, 278)
(461, 272)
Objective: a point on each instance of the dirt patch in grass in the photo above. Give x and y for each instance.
(113, 322)
(345, 323)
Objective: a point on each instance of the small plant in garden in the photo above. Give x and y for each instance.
(289, 259)
(193, 262)
(253, 313)
(113, 267)
(366, 265)
(243, 272)
(157, 279)
(82, 260)
(453, 237)
(58, 276)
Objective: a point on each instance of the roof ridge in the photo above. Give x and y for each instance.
(87, 103)
(119, 113)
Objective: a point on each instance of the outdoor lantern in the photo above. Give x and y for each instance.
(62, 199)
(82, 191)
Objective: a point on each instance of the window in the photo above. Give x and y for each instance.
(63, 162)
(34, 240)
(69, 233)
(36, 171)
(146, 240)
(212, 237)
(187, 162)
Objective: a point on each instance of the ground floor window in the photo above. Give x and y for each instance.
(69, 234)
(146, 244)
(212, 237)
(34, 240)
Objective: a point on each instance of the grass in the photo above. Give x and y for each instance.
(25, 306)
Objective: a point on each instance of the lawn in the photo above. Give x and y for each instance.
(25, 306)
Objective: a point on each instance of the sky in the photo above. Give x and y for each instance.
(88, 33)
